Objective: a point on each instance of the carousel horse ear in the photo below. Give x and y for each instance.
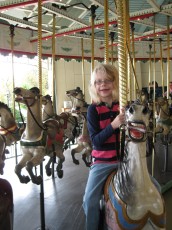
(35, 90)
(48, 97)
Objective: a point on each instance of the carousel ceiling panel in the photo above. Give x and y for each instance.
(72, 18)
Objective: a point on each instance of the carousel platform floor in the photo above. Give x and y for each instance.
(62, 198)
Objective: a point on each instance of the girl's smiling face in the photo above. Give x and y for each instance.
(104, 87)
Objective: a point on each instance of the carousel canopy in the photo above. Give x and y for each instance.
(70, 21)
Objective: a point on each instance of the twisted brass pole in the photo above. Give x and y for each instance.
(162, 67)
(93, 8)
(106, 28)
(122, 52)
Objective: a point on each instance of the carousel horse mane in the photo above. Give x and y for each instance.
(132, 200)
(5, 106)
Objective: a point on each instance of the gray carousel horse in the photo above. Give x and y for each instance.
(79, 109)
(39, 139)
(9, 132)
(67, 124)
(163, 116)
(132, 201)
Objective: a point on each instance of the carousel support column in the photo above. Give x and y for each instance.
(162, 67)
(106, 28)
(12, 34)
(93, 16)
(39, 53)
(83, 71)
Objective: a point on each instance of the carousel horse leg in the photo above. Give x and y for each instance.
(59, 168)
(47, 167)
(35, 179)
(85, 158)
(23, 179)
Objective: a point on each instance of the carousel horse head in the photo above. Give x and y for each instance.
(78, 101)
(132, 198)
(163, 116)
(25, 96)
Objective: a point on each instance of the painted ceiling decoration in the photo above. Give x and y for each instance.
(73, 23)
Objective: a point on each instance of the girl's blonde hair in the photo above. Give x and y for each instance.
(111, 73)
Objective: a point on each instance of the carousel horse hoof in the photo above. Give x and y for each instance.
(48, 172)
(37, 180)
(76, 161)
(60, 174)
(24, 179)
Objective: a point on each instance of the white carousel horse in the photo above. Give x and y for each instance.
(79, 109)
(9, 132)
(39, 139)
(67, 122)
(163, 117)
(132, 201)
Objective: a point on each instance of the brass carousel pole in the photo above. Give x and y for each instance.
(122, 61)
(168, 55)
(150, 68)
(154, 77)
(112, 40)
(134, 60)
(93, 16)
(53, 84)
(162, 67)
(13, 79)
(106, 28)
(83, 72)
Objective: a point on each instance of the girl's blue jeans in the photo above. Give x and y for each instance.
(94, 191)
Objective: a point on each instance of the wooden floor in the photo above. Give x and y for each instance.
(62, 198)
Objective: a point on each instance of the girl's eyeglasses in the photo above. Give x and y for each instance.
(100, 82)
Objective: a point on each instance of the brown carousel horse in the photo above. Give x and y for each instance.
(67, 121)
(9, 132)
(79, 109)
(68, 124)
(132, 201)
(6, 205)
(39, 139)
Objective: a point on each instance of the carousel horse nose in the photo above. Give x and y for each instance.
(131, 109)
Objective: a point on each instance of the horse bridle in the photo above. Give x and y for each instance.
(28, 106)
